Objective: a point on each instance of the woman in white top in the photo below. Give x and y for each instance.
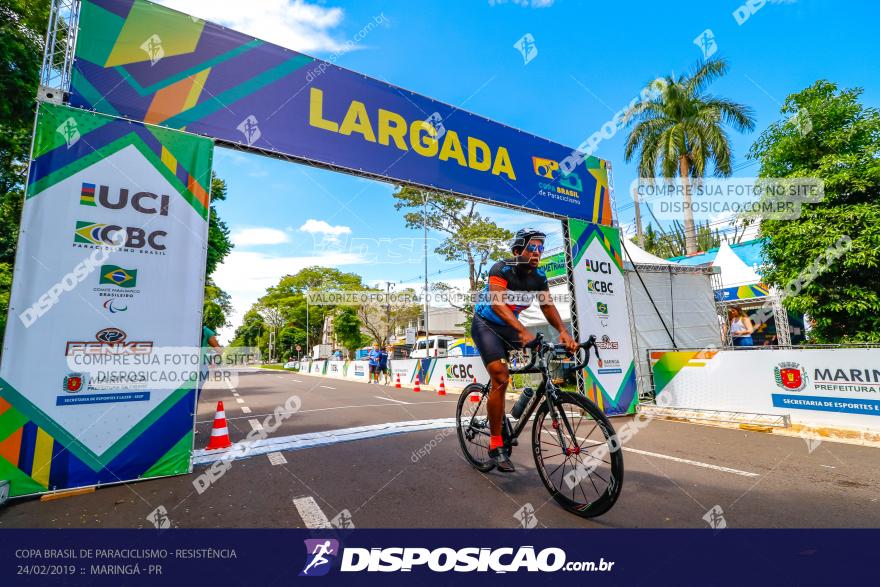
(741, 328)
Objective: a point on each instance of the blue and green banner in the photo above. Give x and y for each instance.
(109, 271)
(600, 296)
(149, 63)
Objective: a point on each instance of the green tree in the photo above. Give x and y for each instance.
(347, 329)
(469, 236)
(681, 131)
(827, 133)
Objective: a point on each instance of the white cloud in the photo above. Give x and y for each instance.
(321, 227)
(245, 275)
(294, 24)
(259, 236)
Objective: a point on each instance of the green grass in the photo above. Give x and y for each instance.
(276, 366)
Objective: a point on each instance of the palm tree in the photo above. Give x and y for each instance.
(681, 129)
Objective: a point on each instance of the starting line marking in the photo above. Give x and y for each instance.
(391, 400)
(311, 514)
(313, 439)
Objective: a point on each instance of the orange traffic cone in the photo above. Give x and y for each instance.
(417, 388)
(220, 433)
(397, 383)
(442, 390)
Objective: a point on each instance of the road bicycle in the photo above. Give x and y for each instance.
(576, 454)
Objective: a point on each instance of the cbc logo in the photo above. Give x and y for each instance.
(459, 371)
(600, 286)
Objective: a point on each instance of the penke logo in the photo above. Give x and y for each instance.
(109, 341)
(115, 275)
(320, 555)
(790, 376)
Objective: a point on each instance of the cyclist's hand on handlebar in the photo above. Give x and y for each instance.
(526, 338)
(571, 344)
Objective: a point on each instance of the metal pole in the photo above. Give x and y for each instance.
(307, 327)
(640, 236)
(425, 239)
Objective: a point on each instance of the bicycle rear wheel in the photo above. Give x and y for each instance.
(472, 424)
(575, 457)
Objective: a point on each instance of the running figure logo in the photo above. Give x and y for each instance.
(319, 556)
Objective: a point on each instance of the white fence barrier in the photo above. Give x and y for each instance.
(816, 387)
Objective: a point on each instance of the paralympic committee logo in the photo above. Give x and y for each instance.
(790, 376)
(320, 554)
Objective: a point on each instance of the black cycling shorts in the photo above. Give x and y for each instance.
(493, 340)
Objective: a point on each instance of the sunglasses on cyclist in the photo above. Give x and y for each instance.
(533, 248)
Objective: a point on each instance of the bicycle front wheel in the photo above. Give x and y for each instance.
(472, 424)
(576, 459)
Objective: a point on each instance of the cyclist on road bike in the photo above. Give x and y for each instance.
(512, 286)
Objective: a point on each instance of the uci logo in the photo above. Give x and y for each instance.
(143, 202)
(600, 286)
(459, 371)
(548, 168)
(598, 266)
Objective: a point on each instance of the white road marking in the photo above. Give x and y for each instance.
(296, 380)
(326, 387)
(239, 400)
(235, 394)
(690, 462)
(311, 513)
(255, 424)
(417, 404)
(276, 458)
(245, 409)
(671, 458)
(397, 401)
(313, 439)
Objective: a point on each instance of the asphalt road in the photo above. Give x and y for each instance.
(675, 473)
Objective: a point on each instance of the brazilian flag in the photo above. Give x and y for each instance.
(115, 275)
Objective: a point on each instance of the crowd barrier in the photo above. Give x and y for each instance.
(836, 387)
(457, 372)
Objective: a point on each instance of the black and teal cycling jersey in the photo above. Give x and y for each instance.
(522, 283)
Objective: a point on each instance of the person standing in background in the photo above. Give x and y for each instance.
(373, 358)
(741, 328)
(384, 369)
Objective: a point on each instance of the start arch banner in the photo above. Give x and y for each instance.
(110, 266)
(146, 62)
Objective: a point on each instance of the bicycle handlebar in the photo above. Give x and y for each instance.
(541, 348)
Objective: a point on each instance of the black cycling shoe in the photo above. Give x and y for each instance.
(501, 456)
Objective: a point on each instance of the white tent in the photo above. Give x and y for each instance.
(667, 302)
(734, 271)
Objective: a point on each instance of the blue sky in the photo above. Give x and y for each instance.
(593, 58)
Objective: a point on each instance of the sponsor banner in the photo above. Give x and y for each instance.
(821, 387)
(147, 62)
(109, 265)
(343, 556)
(457, 372)
(304, 365)
(405, 368)
(742, 292)
(318, 367)
(335, 368)
(358, 370)
(554, 265)
(600, 294)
